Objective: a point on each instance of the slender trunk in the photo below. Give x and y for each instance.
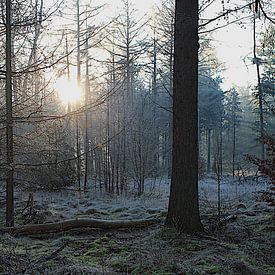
(154, 90)
(256, 60)
(234, 145)
(38, 19)
(79, 83)
(68, 70)
(108, 145)
(78, 167)
(221, 149)
(127, 102)
(9, 121)
(33, 53)
(114, 157)
(67, 57)
(218, 171)
(170, 126)
(86, 142)
(78, 42)
(208, 150)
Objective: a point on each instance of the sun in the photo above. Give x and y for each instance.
(68, 90)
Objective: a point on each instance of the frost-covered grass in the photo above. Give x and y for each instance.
(242, 246)
(64, 204)
(233, 190)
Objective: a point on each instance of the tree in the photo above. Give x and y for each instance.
(210, 110)
(233, 120)
(166, 22)
(183, 211)
(267, 61)
(125, 45)
(259, 88)
(9, 127)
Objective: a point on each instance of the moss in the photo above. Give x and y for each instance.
(163, 214)
(215, 269)
(188, 245)
(167, 234)
(209, 269)
(98, 250)
(264, 227)
(158, 267)
(83, 259)
(35, 249)
(152, 270)
(270, 270)
(179, 243)
(120, 264)
(209, 265)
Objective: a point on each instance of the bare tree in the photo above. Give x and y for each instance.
(9, 120)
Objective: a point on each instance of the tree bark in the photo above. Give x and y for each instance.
(66, 225)
(183, 211)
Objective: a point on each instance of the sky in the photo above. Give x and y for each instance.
(232, 44)
(233, 48)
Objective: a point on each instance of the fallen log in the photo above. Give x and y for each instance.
(66, 225)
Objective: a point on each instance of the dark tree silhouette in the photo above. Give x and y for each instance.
(183, 212)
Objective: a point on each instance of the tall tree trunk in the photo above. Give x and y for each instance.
(170, 122)
(154, 90)
(183, 211)
(68, 70)
(260, 92)
(221, 148)
(9, 121)
(234, 145)
(86, 142)
(78, 165)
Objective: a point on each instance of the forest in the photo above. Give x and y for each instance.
(137, 137)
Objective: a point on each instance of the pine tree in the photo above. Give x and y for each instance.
(183, 211)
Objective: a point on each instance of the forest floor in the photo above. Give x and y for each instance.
(241, 245)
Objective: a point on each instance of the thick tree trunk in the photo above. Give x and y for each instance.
(77, 224)
(183, 211)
